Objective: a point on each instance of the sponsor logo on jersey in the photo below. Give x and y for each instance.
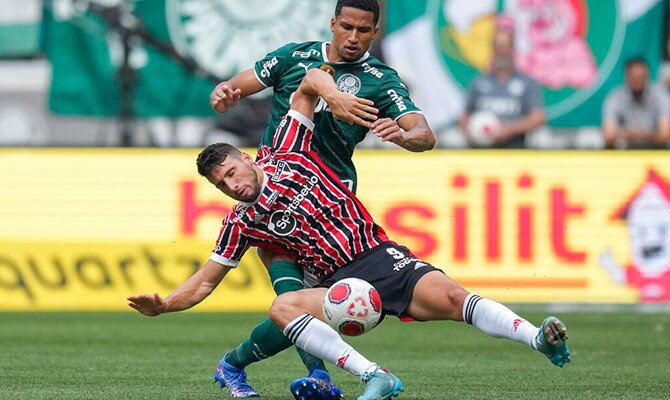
(273, 197)
(306, 54)
(257, 218)
(283, 222)
(240, 213)
(305, 66)
(321, 105)
(267, 66)
(349, 83)
(397, 99)
(372, 70)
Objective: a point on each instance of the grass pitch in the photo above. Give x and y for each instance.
(616, 355)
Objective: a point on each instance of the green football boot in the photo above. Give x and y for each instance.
(551, 339)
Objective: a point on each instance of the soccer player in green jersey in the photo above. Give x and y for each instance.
(337, 132)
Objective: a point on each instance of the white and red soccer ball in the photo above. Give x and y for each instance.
(352, 306)
(483, 126)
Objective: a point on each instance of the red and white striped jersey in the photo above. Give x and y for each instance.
(303, 210)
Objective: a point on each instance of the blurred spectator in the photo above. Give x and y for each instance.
(503, 105)
(636, 115)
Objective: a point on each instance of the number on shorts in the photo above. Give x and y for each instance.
(395, 253)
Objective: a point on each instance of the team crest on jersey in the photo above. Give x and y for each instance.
(282, 171)
(282, 223)
(349, 83)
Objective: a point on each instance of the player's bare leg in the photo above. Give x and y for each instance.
(438, 297)
(300, 316)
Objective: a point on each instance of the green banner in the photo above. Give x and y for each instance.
(574, 48)
(220, 37)
(19, 39)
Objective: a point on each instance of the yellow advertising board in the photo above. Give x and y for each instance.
(83, 229)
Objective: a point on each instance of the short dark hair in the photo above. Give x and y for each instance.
(635, 61)
(213, 155)
(365, 5)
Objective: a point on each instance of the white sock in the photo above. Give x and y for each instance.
(320, 340)
(497, 320)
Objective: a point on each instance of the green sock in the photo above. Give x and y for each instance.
(266, 339)
(287, 277)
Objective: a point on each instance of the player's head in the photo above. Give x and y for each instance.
(354, 27)
(231, 171)
(363, 5)
(637, 75)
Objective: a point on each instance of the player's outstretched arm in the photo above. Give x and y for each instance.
(191, 292)
(411, 132)
(227, 93)
(344, 106)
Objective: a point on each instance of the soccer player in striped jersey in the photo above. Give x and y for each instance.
(337, 132)
(292, 200)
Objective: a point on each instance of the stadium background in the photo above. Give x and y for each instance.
(100, 197)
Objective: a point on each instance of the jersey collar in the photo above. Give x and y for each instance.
(324, 48)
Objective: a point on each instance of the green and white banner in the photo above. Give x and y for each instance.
(574, 48)
(19, 27)
(222, 36)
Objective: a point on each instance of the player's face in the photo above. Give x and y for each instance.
(238, 178)
(353, 32)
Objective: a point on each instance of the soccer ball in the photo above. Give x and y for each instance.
(352, 306)
(482, 128)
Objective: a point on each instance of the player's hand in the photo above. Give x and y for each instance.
(387, 130)
(352, 109)
(223, 97)
(148, 304)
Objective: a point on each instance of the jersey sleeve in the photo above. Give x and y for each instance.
(393, 99)
(294, 134)
(231, 245)
(270, 68)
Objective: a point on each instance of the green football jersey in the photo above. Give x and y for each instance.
(334, 140)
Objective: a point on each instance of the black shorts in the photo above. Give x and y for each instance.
(391, 269)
